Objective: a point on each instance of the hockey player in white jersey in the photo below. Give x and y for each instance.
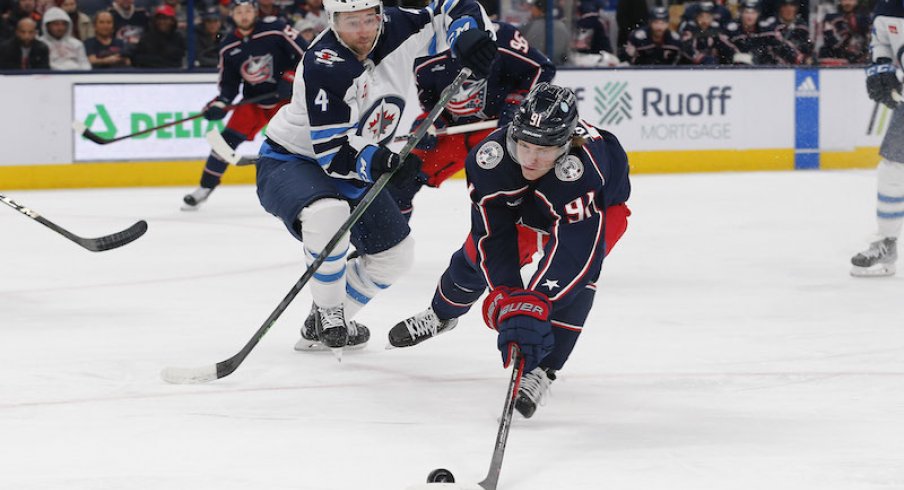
(883, 85)
(327, 146)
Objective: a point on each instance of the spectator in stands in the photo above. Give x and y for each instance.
(82, 27)
(7, 31)
(181, 14)
(630, 15)
(770, 8)
(314, 16)
(208, 35)
(592, 34)
(653, 44)
(23, 9)
(24, 51)
(129, 22)
(268, 8)
(792, 28)
(161, 46)
(845, 35)
(104, 50)
(305, 29)
(66, 52)
(703, 43)
(534, 31)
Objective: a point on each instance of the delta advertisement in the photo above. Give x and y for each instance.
(113, 110)
(658, 110)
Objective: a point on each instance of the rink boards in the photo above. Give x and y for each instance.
(669, 120)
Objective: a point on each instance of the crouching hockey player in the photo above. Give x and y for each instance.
(326, 148)
(559, 176)
(883, 86)
(261, 56)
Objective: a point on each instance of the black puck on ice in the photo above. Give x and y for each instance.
(440, 475)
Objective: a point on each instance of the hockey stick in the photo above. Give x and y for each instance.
(228, 154)
(222, 369)
(99, 244)
(896, 96)
(100, 140)
(505, 423)
(464, 128)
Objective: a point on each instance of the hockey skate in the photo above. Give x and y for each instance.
(534, 386)
(356, 337)
(878, 260)
(420, 327)
(192, 200)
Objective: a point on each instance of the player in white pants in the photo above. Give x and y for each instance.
(883, 85)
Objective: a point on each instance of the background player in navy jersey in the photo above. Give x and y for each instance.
(883, 86)
(517, 68)
(556, 174)
(326, 148)
(261, 57)
(654, 43)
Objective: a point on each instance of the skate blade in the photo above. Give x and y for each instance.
(304, 345)
(878, 270)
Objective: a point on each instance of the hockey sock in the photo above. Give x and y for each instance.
(215, 166)
(890, 199)
(459, 288)
(319, 223)
(370, 273)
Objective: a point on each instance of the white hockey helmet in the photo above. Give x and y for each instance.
(334, 7)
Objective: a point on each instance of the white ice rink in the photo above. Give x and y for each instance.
(728, 349)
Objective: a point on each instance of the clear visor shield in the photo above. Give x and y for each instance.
(357, 23)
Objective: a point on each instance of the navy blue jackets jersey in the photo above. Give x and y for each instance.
(641, 49)
(845, 36)
(517, 68)
(796, 34)
(592, 36)
(707, 46)
(568, 203)
(258, 61)
(343, 108)
(763, 42)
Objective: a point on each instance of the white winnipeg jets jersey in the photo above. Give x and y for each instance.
(342, 106)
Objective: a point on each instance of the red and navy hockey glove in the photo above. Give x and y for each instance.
(522, 318)
(215, 110)
(284, 86)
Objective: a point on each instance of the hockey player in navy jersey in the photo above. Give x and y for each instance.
(260, 56)
(517, 68)
(654, 43)
(558, 175)
(326, 148)
(883, 86)
(758, 38)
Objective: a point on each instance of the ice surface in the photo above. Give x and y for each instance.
(728, 349)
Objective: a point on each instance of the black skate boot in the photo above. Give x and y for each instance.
(534, 386)
(420, 327)
(878, 260)
(358, 334)
(194, 199)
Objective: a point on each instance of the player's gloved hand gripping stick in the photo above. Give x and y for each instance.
(222, 369)
(100, 140)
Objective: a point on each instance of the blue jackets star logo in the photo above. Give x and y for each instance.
(550, 284)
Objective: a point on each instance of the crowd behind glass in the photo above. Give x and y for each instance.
(94, 35)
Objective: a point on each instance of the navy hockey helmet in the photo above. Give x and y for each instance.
(750, 5)
(547, 117)
(705, 8)
(236, 3)
(659, 13)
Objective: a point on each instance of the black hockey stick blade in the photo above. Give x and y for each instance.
(222, 369)
(115, 240)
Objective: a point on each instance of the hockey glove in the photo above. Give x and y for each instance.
(284, 86)
(476, 50)
(881, 82)
(215, 110)
(522, 318)
(430, 139)
(384, 161)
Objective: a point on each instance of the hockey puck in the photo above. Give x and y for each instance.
(440, 475)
